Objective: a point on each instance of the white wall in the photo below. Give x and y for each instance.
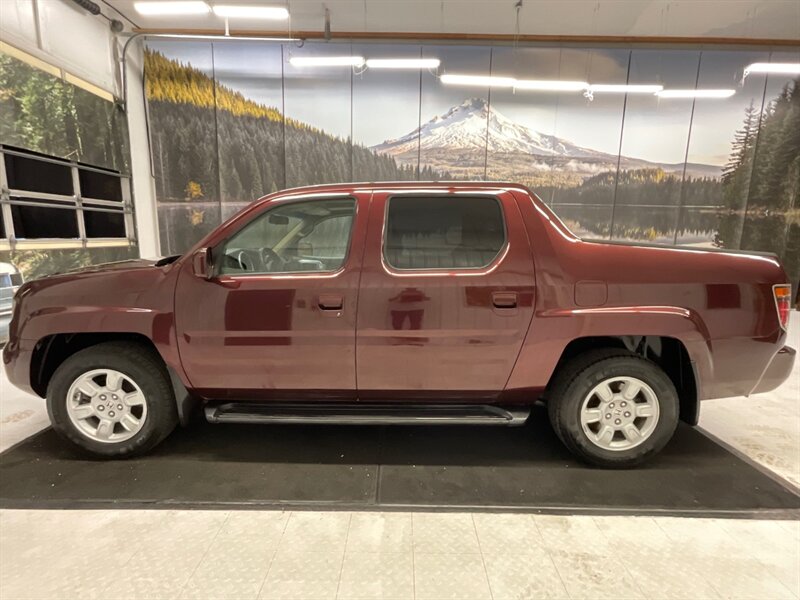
(143, 185)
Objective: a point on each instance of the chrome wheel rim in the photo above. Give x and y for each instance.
(106, 406)
(619, 413)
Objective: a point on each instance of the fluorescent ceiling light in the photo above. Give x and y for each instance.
(555, 85)
(695, 93)
(250, 12)
(171, 8)
(327, 61)
(221, 38)
(403, 63)
(482, 80)
(625, 89)
(786, 68)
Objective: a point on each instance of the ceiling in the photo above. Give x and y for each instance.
(756, 19)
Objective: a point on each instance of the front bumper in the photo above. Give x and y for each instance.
(778, 370)
(17, 355)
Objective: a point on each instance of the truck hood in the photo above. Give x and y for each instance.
(139, 285)
(101, 280)
(134, 263)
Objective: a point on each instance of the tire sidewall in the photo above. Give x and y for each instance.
(668, 405)
(151, 388)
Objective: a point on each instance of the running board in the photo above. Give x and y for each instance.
(366, 414)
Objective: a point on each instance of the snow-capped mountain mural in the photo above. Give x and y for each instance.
(466, 131)
(465, 126)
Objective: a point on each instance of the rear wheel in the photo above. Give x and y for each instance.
(613, 408)
(113, 400)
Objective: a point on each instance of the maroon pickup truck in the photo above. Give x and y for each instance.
(402, 303)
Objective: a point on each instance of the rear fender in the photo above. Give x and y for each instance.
(552, 330)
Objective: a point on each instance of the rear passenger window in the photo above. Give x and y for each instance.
(443, 232)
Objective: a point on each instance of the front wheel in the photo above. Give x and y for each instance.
(613, 408)
(113, 400)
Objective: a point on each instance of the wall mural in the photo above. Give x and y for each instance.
(43, 113)
(233, 121)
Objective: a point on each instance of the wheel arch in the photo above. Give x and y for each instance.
(52, 350)
(669, 353)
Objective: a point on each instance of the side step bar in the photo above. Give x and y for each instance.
(366, 414)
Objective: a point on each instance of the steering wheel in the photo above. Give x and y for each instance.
(270, 260)
(245, 260)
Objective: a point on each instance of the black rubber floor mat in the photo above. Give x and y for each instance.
(524, 468)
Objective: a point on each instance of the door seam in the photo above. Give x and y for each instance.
(358, 292)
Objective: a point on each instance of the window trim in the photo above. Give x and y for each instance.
(485, 269)
(274, 205)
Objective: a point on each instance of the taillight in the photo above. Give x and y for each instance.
(783, 302)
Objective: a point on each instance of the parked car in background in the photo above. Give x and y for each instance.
(10, 280)
(403, 303)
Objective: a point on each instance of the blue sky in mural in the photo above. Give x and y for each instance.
(386, 105)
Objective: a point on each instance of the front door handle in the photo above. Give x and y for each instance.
(504, 299)
(331, 302)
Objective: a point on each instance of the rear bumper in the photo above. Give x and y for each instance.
(17, 362)
(778, 371)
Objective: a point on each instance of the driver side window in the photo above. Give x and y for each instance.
(311, 235)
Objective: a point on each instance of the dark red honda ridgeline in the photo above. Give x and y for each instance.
(407, 303)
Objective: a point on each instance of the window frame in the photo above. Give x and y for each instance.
(274, 205)
(496, 259)
(74, 202)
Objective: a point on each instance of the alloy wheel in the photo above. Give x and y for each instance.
(106, 406)
(619, 413)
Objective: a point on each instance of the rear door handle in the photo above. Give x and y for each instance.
(331, 302)
(504, 299)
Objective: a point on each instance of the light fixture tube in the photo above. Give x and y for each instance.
(327, 61)
(403, 63)
(232, 11)
(695, 93)
(555, 85)
(780, 68)
(185, 7)
(482, 80)
(625, 88)
(221, 38)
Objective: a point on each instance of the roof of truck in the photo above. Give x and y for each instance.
(342, 187)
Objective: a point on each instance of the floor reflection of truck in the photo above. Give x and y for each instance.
(10, 280)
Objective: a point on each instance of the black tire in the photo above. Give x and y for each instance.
(576, 379)
(139, 363)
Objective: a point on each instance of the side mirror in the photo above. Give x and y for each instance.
(201, 263)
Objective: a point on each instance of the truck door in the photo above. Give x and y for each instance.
(446, 295)
(277, 318)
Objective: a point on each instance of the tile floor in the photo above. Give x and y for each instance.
(108, 554)
(270, 554)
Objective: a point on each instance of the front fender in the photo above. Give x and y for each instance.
(123, 301)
